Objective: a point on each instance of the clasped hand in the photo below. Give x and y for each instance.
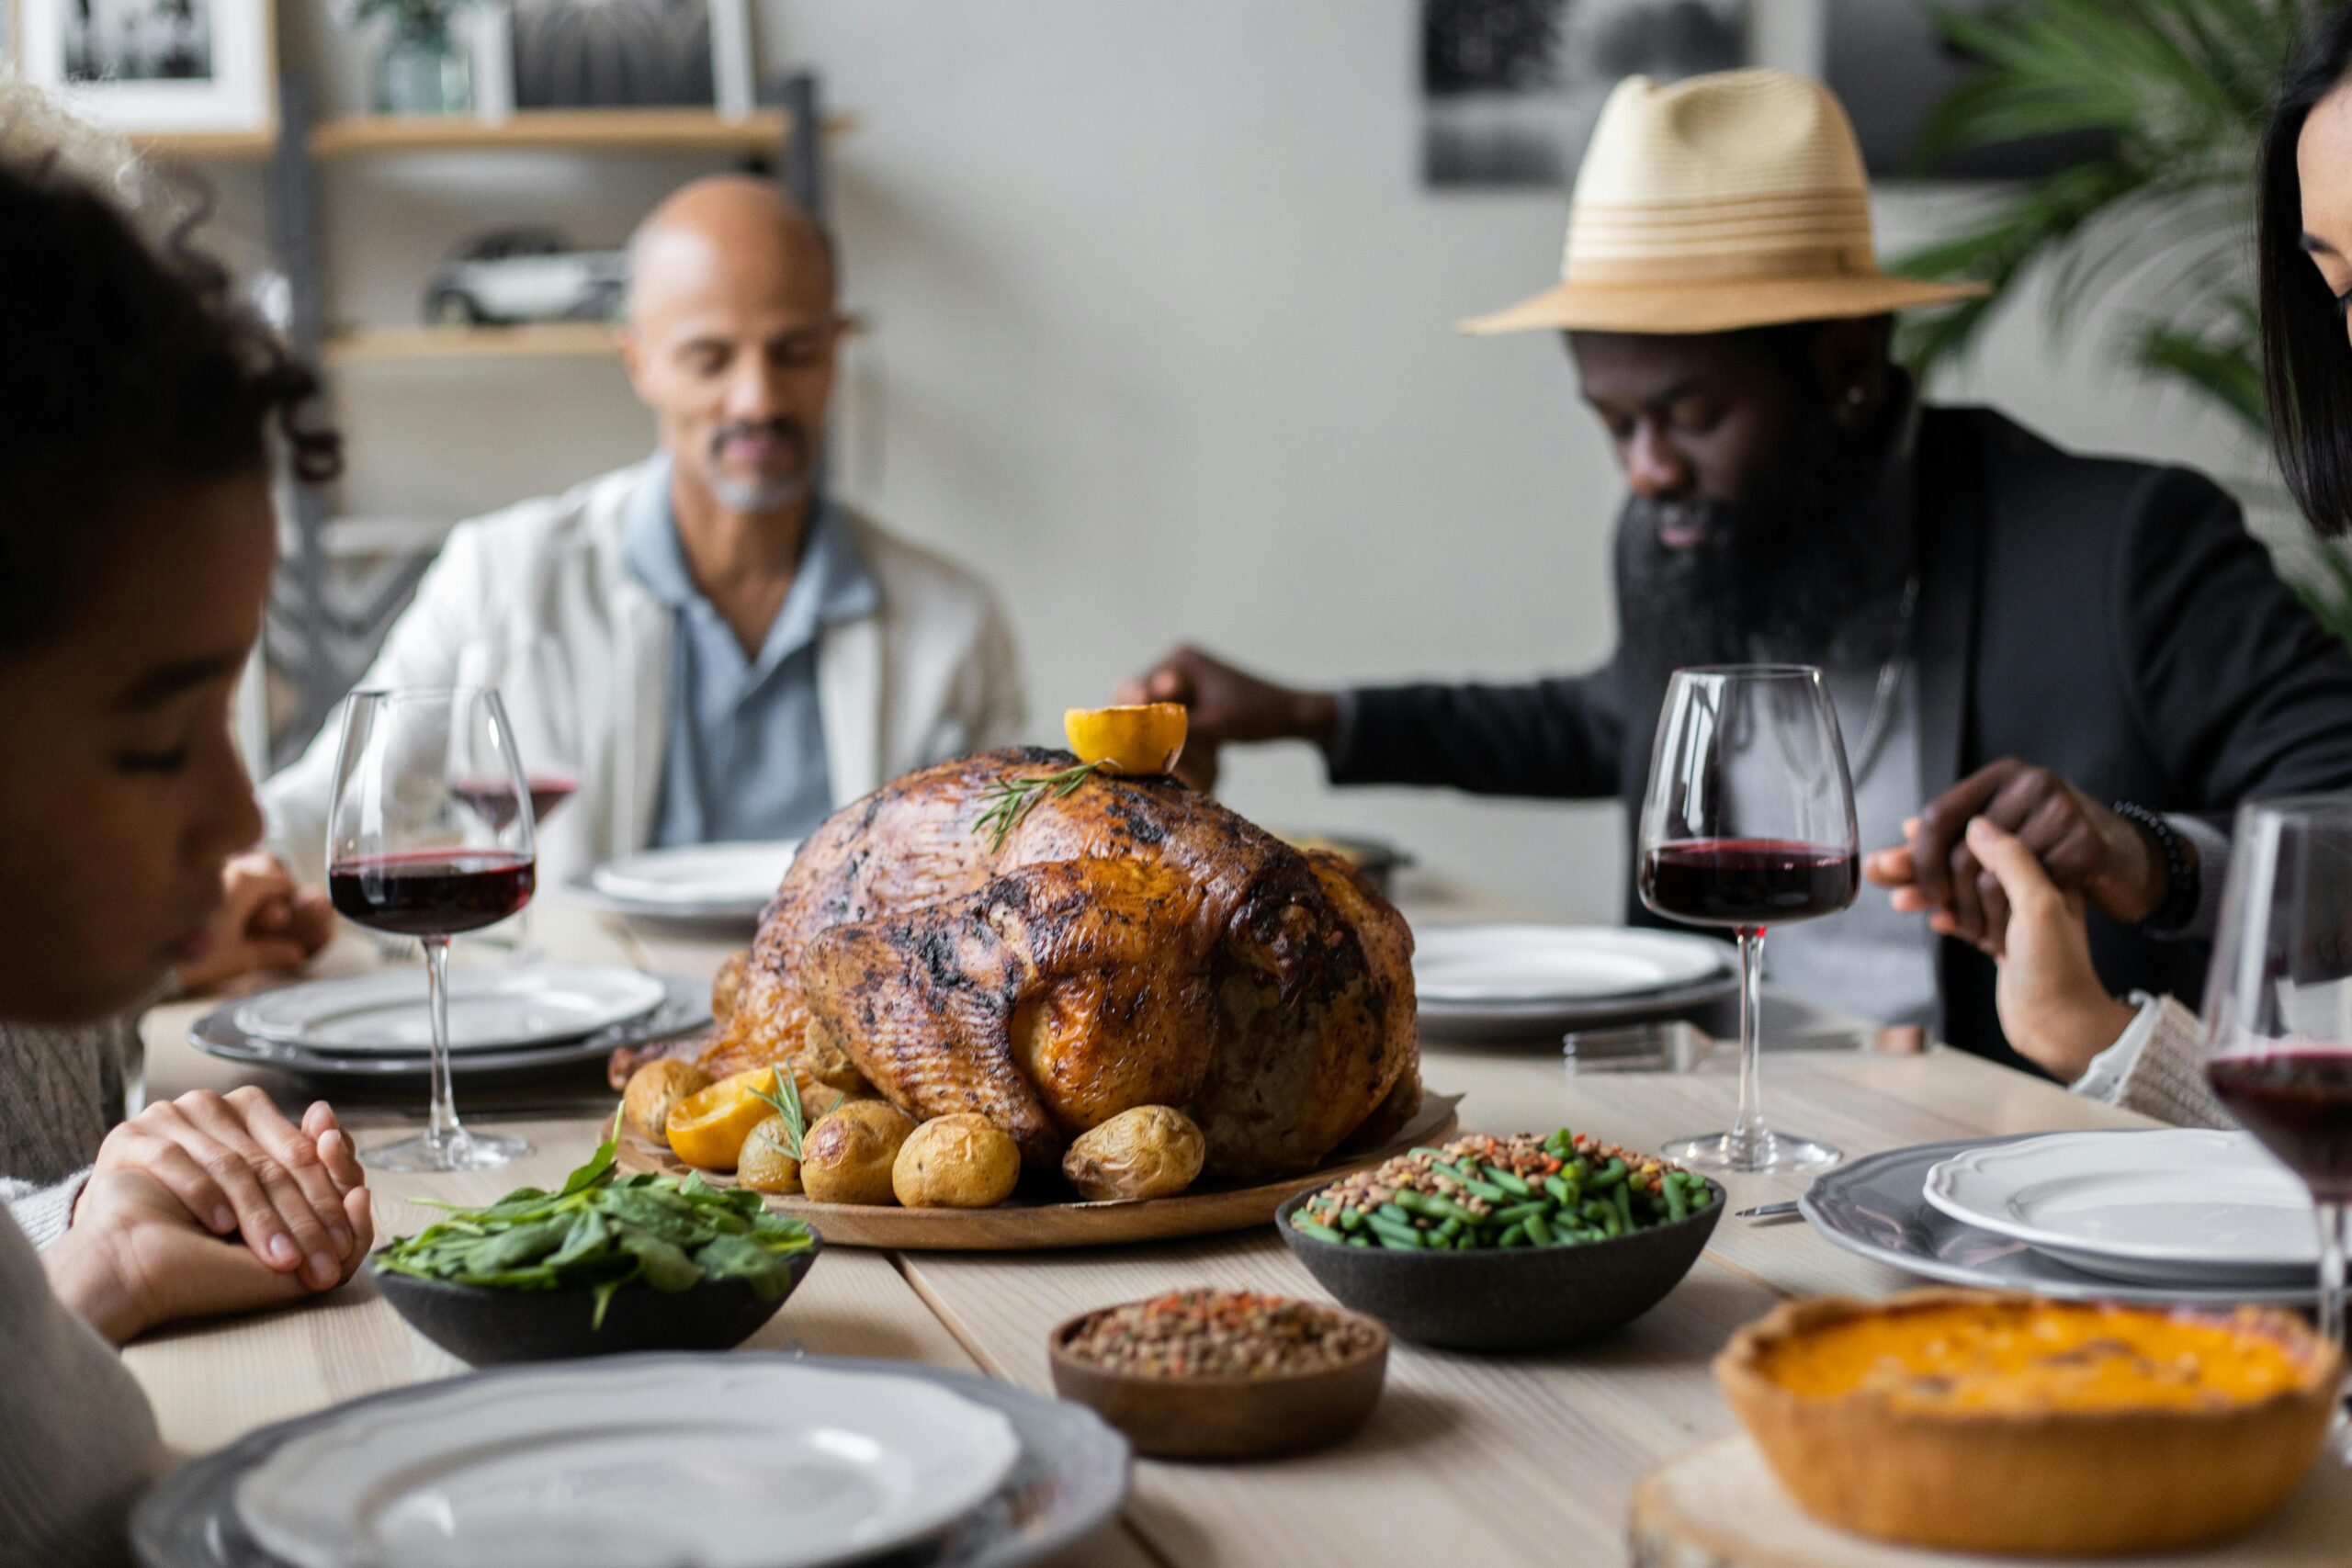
(210, 1205)
(2009, 860)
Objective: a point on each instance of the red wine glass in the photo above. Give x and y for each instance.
(532, 676)
(1748, 823)
(431, 837)
(2278, 1006)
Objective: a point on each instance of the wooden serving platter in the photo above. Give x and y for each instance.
(1021, 1226)
(1720, 1507)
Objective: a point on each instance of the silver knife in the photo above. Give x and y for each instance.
(1767, 1210)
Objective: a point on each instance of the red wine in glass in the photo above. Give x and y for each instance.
(429, 838)
(2298, 1100)
(1753, 883)
(432, 892)
(1749, 821)
(495, 800)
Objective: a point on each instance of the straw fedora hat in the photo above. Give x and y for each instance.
(1730, 200)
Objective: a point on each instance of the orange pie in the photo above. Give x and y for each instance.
(1994, 1422)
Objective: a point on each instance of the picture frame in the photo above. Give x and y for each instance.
(602, 54)
(152, 66)
(1510, 89)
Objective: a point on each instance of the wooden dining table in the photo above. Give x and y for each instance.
(1470, 1458)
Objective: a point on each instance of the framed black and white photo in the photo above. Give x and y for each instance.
(153, 65)
(1511, 88)
(632, 53)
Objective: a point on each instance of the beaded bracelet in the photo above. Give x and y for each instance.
(2181, 871)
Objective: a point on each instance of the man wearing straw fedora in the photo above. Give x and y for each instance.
(2093, 653)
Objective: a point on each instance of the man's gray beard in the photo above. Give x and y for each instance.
(758, 496)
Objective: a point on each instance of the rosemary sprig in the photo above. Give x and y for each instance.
(786, 1101)
(1009, 799)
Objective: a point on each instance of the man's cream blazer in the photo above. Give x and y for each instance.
(931, 675)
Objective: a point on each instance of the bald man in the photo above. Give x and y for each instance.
(746, 653)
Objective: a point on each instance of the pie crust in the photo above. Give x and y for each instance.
(2026, 1475)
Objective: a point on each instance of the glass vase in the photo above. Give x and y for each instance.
(423, 71)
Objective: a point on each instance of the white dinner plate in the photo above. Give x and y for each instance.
(2174, 1205)
(698, 874)
(700, 885)
(489, 1009)
(721, 1461)
(1485, 965)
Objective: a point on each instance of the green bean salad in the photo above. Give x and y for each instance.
(1482, 1192)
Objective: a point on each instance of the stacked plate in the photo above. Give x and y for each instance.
(501, 1019)
(742, 1460)
(1512, 982)
(2172, 1214)
(706, 884)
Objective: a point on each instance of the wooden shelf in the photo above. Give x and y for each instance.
(541, 340)
(583, 131)
(205, 146)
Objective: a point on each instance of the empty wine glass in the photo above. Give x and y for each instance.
(532, 676)
(430, 837)
(1748, 823)
(2278, 1006)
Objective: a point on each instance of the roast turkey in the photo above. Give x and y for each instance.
(1132, 943)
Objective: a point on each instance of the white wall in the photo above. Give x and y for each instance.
(1164, 347)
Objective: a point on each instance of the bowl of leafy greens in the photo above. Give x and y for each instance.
(609, 1264)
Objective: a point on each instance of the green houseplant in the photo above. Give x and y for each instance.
(2176, 93)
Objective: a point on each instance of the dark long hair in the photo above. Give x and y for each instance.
(2306, 360)
(127, 372)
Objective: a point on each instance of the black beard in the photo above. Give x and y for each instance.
(1773, 578)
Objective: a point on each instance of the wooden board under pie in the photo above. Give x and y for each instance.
(1719, 1507)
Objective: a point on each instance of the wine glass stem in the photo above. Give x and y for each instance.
(2331, 1215)
(2331, 1268)
(444, 1130)
(525, 950)
(1747, 1128)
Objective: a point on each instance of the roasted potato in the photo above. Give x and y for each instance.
(963, 1161)
(766, 1164)
(654, 1091)
(847, 1157)
(1151, 1151)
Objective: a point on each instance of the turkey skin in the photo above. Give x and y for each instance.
(1132, 943)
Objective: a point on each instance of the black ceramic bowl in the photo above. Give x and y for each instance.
(489, 1327)
(1535, 1298)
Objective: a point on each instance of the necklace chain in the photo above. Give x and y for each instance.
(1889, 681)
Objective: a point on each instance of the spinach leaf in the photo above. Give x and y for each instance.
(604, 1232)
(665, 1266)
(599, 1166)
(741, 1257)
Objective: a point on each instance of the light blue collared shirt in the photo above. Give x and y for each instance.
(744, 759)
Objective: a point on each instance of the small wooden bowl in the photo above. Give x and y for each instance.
(1225, 1417)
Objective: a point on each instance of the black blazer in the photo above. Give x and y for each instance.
(2111, 620)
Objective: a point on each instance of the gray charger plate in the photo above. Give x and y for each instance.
(1071, 1477)
(1877, 1206)
(685, 1008)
